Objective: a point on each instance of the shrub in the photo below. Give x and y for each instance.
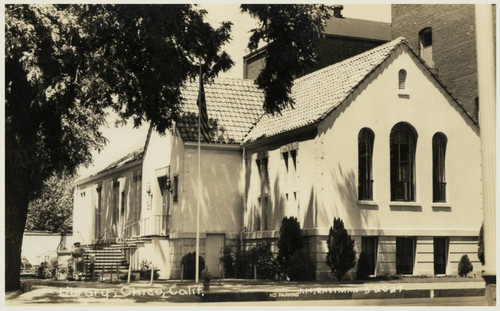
(289, 242)
(363, 268)
(341, 254)
(260, 256)
(43, 271)
(480, 245)
(241, 265)
(189, 262)
(464, 266)
(145, 272)
(54, 265)
(301, 267)
(228, 262)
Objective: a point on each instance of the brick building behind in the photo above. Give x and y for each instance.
(453, 44)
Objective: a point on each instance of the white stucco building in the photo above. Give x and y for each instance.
(375, 140)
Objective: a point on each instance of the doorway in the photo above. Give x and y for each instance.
(214, 245)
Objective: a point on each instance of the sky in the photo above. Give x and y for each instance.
(125, 139)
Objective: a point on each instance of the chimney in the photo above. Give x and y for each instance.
(337, 11)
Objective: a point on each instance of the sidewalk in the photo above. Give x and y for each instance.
(161, 292)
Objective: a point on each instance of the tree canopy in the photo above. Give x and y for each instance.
(290, 32)
(53, 209)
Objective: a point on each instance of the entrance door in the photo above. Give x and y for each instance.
(404, 255)
(214, 244)
(440, 258)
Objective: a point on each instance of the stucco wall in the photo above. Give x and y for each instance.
(163, 153)
(42, 246)
(86, 204)
(291, 192)
(378, 106)
(222, 181)
(327, 174)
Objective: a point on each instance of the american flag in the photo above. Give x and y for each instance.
(202, 110)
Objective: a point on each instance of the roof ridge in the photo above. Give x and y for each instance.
(360, 19)
(353, 58)
(367, 62)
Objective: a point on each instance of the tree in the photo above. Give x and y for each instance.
(66, 64)
(464, 266)
(341, 254)
(480, 245)
(289, 242)
(53, 210)
(290, 32)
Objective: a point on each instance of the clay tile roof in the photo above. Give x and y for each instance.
(358, 28)
(319, 92)
(233, 105)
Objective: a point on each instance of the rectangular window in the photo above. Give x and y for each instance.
(369, 247)
(122, 209)
(175, 189)
(285, 159)
(405, 254)
(289, 156)
(116, 206)
(262, 166)
(440, 255)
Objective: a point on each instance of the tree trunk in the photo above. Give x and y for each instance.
(16, 209)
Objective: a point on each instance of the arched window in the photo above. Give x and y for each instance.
(365, 152)
(425, 40)
(403, 143)
(402, 80)
(438, 167)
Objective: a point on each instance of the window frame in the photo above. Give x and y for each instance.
(365, 193)
(402, 77)
(403, 171)
(425, 44)
(439, 144)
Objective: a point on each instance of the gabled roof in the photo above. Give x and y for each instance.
(358, 28)
(319, 92)
(130, 157)
(233, 105)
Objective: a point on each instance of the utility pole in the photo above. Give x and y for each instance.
(487, 124)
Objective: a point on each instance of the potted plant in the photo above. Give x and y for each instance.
(206, 280)
(62, 273)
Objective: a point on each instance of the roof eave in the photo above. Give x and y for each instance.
(109, 171)
(309, 128)
(329, 35)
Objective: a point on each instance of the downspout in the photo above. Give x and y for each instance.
(244, 198)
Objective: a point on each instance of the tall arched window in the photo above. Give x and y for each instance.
(438, 167)
(425, 40)
(365, 176)
(403, 143)
(402, 79)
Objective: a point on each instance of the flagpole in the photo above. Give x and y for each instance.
(197, 269)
